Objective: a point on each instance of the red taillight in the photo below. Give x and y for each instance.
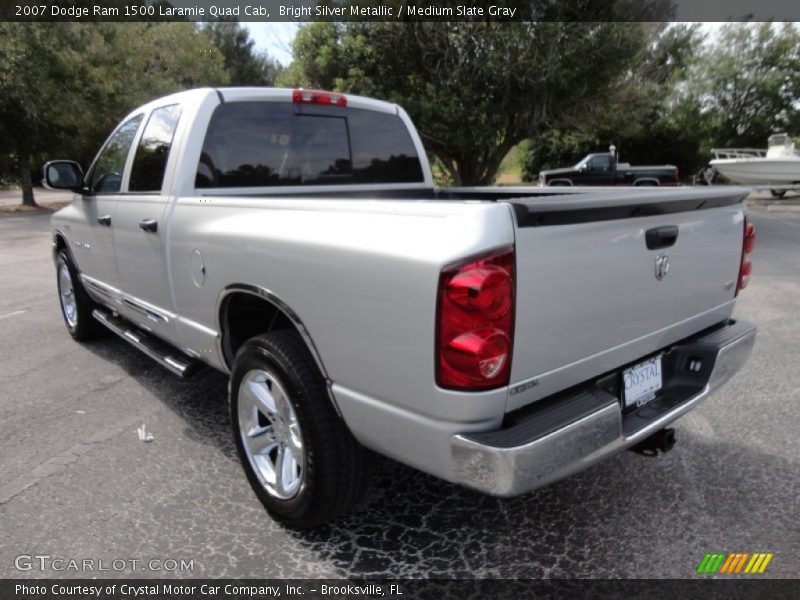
(475, 323)
(318, 97)
(748, 243)
(749, 236)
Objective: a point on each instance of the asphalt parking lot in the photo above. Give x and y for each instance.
(76, 482)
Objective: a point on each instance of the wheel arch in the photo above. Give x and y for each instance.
(266, 311)
(60, 243)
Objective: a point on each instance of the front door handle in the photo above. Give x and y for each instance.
(104, 220)
(150, 225)
(661, 237)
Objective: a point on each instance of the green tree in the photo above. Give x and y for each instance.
(29, 66)
(748, 83)
(63, 86)
(477, 89)
(660, 129)
(245, 65)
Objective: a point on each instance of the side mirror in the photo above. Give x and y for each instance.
(582, 168)
(63, 175)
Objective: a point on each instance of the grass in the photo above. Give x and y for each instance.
(510, 172)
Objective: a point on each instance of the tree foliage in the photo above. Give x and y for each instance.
(748, 83)
(244, 64)
(734, 90)
(63, 86)
(477, 89)
(660, 130)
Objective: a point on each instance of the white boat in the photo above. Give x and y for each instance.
(778, 165)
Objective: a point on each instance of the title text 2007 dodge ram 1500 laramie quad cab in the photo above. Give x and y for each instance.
(497, 338)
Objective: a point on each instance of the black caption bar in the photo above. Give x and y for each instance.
(399, 10)
(434, 589)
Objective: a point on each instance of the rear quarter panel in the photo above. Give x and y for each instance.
(361, 275)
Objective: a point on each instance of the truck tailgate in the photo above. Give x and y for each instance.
(589, 298)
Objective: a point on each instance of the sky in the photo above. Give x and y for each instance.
(277, 38)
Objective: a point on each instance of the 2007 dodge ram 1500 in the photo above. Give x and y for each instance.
(497, 338)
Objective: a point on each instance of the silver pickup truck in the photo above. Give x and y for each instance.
(499, 338)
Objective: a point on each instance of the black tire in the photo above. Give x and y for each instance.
(82, 326)
(778, 193)
(335, 469)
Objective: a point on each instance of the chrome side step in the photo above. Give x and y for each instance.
(159, 351)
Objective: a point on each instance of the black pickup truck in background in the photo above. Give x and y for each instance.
(603, 169)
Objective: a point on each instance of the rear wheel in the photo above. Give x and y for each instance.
(300, 458)
(778, 193)
(76, 305)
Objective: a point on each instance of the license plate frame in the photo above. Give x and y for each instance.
(642, 382)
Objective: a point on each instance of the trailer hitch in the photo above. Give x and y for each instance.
(661, 441)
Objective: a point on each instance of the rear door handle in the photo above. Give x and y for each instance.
(150, 225)
(104, 220)
(661, 237)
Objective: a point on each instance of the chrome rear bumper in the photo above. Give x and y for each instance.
(506, 463)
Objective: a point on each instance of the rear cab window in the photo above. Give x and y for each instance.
(255, 144)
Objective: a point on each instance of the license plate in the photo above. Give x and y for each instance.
(642, 382)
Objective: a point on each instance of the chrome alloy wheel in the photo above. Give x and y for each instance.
(270, 433)
(67, 295)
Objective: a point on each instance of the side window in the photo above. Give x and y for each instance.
(600, 164)
(150, 161)
(105, 176)
(383, 151)
(248, 144)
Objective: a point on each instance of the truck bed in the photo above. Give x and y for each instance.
(587, 297)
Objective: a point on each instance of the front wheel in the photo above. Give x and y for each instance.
(76, 305)
(300, 458)
(778, 193)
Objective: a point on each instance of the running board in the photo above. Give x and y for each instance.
(159, 351)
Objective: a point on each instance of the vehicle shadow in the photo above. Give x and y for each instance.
(200, 400)
(631, 516)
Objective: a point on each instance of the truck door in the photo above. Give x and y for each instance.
(140, 228)
(91, 237)
(599, 170)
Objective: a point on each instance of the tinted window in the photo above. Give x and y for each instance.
(147, 173)
(248, 144)
(321, 151)
(105, 176)
(383, 151)
(267, 144)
